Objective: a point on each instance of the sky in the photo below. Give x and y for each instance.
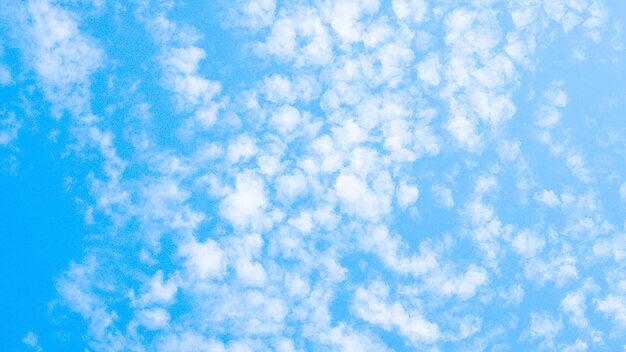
(332, 175)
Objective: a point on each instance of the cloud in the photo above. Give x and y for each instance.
(32, 340)
(286, 207)
(527, 244)
(62, 57)
(372, 306)
(5, 75)
(545, 327)
(203, 260)
(547, 198)
(246, 205)
(9, 128)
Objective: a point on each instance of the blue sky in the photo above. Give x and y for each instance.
(341, 175)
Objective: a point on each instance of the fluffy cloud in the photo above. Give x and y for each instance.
(371, 304)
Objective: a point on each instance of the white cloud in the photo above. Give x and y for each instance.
(443, 195)
(578, 346)
(391, 250)
(286, 119)
(528, 244)
(413, 10)
(258, 13)
(360, 200)
(344, 17)
(466, 285)
(345, 339)
(242, 148)
(188, 342)
(545, 327)
(78, 288)
(158, 291)
(394, 59)
(371, 304)
(63, 57)
(5, 76)
(154, 318)
(429, 68)
(204, 260)
(245, 206)
(556, 98)
(290, 187)
(547, 198)
(613, 305)
(407, 195)
(574, 305)
(191, 90)
(32, 340)
(245, 249)
(9, 128)
(622, 192)
(252, 273)
(560, 269)
(464, 131)
(472, 31)
(509, 150)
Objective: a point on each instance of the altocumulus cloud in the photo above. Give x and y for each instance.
(341, 175)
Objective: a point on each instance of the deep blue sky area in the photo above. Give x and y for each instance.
(41, 229)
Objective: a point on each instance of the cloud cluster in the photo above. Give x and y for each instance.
(347, 196)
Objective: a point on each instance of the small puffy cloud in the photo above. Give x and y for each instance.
(32, 340)
(204, 260)
(466, 285)
(429, 69)
(286, 119)
(578, 346)
(245, 206)
(577, 165)
(344, 18)
(622, 192)
(61, 55)
(190, 89)
(360, 200)
(509, 150)
(242, 148)
(545, 327)
(5, 76)
(443, 196)
(245, 249)
(372, 305)
(464, 131)
(527, 244)
(614, 306)
(560, 269)
(573, 304)
(391, 251)
(555, 98)
(188, 341)
(407, 195)
(412, 10)
(251, 273)
(258, 13)
(290, 186)
(158, 291)
(478, 212)
(154, 319)
(547, 198)
(9, 128)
